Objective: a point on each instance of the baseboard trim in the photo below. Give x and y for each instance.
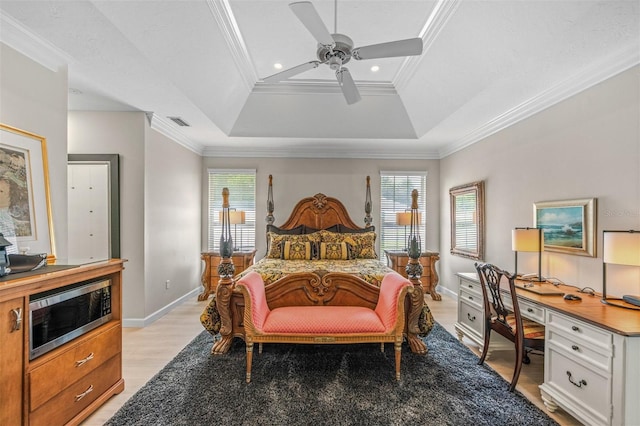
(143, 322)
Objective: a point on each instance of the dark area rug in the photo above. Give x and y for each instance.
(328, 385)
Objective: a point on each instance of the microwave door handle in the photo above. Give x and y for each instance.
(17, 320)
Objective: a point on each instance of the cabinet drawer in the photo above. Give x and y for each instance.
(471, 298)
(470, 316)
(75, 398)
(527, 309)
(56, 374)
(471, 287)
(595, 357)
(581, 332)
(587, 390)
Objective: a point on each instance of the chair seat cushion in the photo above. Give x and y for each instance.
(323, 319)
(532, 330)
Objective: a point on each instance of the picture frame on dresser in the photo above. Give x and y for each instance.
(25, 200)
(569, 226)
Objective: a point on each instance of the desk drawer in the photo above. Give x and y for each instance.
(593, 356)
(471, 298)
(588, 390)
(581, 332)
(470, 287)
(527, 309)
(471, 316)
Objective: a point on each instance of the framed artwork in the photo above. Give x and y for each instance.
(568, 226)
(467, 220)
(25, 204)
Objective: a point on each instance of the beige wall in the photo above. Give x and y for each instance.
(172, 206)
(120, 133)
(34, 98)
(344, 179)
(587, 146)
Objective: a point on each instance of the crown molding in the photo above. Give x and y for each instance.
(222, 13)
(31, 45)
(320, 87)
(317, 151)
(591, 75)
(442, 12)
(168, 129)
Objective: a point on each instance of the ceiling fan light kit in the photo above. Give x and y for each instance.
(337, 49)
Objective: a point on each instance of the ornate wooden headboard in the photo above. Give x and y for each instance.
(319, 211)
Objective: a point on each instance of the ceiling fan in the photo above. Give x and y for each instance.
(337, 49)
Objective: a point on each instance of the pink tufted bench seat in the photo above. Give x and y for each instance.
(325, 324)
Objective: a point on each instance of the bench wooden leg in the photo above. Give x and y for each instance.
(398, 349)
(249, 359)
(381, 346)
(260, 348)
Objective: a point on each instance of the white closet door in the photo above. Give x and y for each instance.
(88, 211)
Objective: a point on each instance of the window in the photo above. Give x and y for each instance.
(395, 197)
(242, 198)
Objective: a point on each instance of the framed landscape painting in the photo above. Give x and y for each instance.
(568, 226)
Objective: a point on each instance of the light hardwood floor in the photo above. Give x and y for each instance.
(147, 350)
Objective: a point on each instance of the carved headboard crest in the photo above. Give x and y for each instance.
(319, 202)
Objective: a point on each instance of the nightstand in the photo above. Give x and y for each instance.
(429, 278)
(241, 261)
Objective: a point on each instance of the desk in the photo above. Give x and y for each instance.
(592, 351)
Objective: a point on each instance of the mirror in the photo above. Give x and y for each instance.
(467, 220)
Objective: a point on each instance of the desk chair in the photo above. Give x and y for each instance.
(510, 324)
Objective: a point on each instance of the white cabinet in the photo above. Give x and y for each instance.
(470, 312)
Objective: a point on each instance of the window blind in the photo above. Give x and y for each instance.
(242, 197)
(395, 197)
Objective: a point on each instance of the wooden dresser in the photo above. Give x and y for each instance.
(241, 261)
(66, 384)
(429, 279)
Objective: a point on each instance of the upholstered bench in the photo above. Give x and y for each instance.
(320, 324)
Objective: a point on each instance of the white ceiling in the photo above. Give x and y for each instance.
(485, 65)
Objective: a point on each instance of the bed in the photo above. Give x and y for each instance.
(318, 237)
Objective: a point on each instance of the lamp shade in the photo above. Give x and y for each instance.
(404, 218)
(236, 217)
(526, 239)
(621, 248)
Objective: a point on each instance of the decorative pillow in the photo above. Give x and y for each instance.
(363, 245)
(335, 251)
(297, 250)
(276, 246)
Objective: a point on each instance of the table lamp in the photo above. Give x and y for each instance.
(4, 257)
(620, 248)
(529, 240)
(236, 217)
(404, 219)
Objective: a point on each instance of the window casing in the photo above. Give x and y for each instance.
(242, 197)
(395, 197)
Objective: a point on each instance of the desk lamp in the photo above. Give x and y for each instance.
(620, 248)
(530, 240)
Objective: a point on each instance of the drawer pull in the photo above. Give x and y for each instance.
(83, 361)
(17, 320)
(85, 393)
(470, 286)
(470, 297)
(575, 347)
(575, 328)
(530, 310)
(579, 384)
(471, 318)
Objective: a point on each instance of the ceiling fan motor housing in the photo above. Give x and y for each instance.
(336, 55)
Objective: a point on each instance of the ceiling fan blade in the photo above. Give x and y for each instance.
(408, 47)
(348, 86)
(308, 15)
(283, 75)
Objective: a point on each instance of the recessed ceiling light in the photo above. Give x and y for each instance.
(375, 68)
(277, 66)
(73, 91)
